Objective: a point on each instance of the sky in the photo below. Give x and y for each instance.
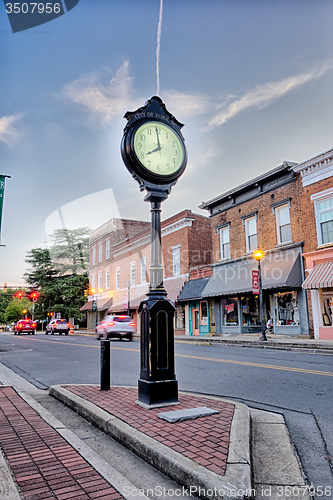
(251, 80)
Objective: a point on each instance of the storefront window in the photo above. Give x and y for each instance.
(230, 312)
(250, 310)
(180, 317)
(287, 310)
(328, 309)
(203, 313)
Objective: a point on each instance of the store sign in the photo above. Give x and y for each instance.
(255, 282)
(230, 308)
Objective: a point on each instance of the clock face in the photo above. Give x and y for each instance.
(158, 148)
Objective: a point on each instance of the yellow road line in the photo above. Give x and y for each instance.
(228, 361)
(259, 365)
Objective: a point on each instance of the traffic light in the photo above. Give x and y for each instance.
(19, 295)
(5, 287)
(34, 295)
(86, 293)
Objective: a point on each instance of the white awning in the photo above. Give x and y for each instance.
(320, 277)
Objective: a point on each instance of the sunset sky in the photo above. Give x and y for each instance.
(251, 80)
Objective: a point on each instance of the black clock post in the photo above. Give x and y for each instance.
(153, 151)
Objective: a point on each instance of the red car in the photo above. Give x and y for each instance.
(25, 326)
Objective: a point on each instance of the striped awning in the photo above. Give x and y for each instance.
(320, 277)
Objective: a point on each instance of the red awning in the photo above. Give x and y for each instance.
(320, 277)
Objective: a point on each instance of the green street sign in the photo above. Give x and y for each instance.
(94, 306)
(2, 192)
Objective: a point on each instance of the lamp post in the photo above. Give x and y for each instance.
(153, 150)
(258, 255)
(128, 299)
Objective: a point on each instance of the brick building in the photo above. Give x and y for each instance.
(120, 255)
(262, 213)
(316, 200)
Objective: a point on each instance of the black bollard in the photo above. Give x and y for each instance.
(105, 365)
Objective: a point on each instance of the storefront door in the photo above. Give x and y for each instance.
(195, 321)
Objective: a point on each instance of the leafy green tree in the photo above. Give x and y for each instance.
(60, 273)
(42, 271)
(15, 308)
(66, 295)
(5, 298)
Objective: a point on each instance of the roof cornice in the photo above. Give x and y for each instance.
(315, 169)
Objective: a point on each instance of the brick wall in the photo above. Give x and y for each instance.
(266, 221)
(195, 244)
(191, 232)
(308, 212)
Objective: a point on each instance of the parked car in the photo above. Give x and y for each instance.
(25, 326)
(57, 326)
(115, 326)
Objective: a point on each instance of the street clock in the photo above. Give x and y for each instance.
(153, 147)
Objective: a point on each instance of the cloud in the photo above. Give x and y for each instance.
(8, 133)
(263, 95)
(185, 105)
(103, 103)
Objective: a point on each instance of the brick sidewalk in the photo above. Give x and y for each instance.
(44, 465)
(204, 440)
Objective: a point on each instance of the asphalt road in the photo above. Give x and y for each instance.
(298, 385)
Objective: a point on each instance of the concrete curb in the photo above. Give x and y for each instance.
(236, 482)
(9, 490)
(269, 344)
(115, 479)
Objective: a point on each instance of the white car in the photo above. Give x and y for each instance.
(57, 326)
(116, 326)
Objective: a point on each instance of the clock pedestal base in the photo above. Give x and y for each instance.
(157, 385)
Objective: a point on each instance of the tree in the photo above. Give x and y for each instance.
(70, 250)
(66, 294)
(5, 298)
(59, 274)
(15, 308)
(42, 271)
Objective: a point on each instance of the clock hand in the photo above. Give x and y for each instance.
(154, 150)
(158, 140)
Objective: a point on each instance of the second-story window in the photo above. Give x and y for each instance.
(93, 281)
(99, 281)
(251, 234)
(93, 256)
(117, 278)
(143, 270)
(107, 249)
(100, 252)
(176, 261)
(283, 224)
(324, 215)
(224, 242)
(132, 273)
(107, 280)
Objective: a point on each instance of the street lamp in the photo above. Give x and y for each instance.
(258, 255)
(128, 298)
